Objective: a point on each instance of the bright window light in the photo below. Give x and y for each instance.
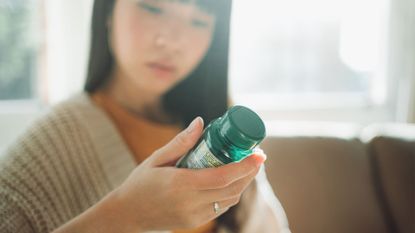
(309, 53)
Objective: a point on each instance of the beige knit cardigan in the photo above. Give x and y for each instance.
(73, 156)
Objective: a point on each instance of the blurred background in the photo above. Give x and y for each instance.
(333, 79)
(337, 61)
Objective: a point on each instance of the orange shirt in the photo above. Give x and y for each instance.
(143, 137)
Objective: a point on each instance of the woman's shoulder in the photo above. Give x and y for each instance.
(56, 132)
(61, 131)
(79, 107)
(63, 123)
(59, 121)
(54, 162)
(72, 134)
(75, 111)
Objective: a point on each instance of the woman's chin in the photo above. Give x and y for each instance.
(159, 89)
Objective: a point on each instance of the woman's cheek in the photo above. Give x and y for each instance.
(200, 47)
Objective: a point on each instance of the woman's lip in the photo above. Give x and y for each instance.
(163, 71)
(161, 66)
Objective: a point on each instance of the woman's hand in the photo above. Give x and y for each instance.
(159, 196)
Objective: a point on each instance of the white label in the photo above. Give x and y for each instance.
(202, 157)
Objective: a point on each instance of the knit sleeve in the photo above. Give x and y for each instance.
(12, 218)
(55, 170)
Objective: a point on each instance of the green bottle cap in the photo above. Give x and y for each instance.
(242, 127)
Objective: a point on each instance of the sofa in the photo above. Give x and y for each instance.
(363, 183)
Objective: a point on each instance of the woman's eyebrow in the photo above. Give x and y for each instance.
(187, 2)
(181, 1)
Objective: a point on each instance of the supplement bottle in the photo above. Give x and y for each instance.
(227, 139)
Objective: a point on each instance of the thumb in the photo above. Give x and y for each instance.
(179, 145)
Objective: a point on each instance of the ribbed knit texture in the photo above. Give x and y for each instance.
(70, 159)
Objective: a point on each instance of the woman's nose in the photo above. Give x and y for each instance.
(172, 36)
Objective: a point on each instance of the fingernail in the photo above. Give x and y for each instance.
(260, 152)
(265, 156)
(192, 125)
(260, 157)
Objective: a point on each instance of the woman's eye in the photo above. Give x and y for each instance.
(200, 23)
(150, 8)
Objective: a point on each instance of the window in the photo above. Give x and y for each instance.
(19, 49)
(22, 55)
(309, 54)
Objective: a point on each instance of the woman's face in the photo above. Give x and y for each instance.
(157, 43)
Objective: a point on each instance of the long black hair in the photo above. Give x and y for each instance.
(203, 93)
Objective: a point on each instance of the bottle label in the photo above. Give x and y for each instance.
(201, 157)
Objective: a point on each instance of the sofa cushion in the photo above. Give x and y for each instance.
(392, 148)
(324, 184)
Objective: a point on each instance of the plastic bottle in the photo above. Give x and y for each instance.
(227, 139)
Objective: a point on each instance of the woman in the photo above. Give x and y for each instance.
(103, 161)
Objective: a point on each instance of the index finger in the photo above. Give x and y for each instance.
(220, 177)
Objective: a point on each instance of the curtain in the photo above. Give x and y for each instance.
(402, 58)
(67, 36)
